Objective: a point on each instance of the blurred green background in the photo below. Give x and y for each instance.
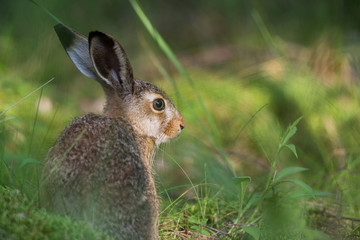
(256, 65)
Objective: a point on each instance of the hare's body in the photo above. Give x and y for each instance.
(99, 169)
(98, 179)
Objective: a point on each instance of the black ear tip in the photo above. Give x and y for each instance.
(58, 26)
(93, 34)
(65, 34)
(60, 29)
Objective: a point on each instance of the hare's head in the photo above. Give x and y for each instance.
(101, 57)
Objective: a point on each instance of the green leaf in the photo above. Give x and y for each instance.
(296, 122)
(193, 220)
(298, 194)
(203, 221)
(28, 161)
(304, 194)
(300, 184)
(252, 231)
(292, 148)
(291, 132)
(204, 232)
(201, 230)
(238, 180)
(195, 227)
(288, 171)
(322, 194)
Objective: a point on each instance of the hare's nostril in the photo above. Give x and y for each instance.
(182, 123)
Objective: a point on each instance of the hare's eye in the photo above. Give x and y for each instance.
(159, 104)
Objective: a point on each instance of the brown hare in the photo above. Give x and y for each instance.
(99, 169)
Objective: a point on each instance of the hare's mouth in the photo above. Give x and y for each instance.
(166, 137)
(173, 129)
(173, 134)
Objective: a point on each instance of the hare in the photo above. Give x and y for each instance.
(99, 170)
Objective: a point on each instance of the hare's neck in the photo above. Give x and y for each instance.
(147, 148)
(112, 107)
(111, 111)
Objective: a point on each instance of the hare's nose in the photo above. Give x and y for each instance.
(182, 123)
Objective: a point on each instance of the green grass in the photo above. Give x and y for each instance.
(20, 219)
(244, 167)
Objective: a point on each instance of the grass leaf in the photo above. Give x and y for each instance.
(252, 231)
(289, 171)
(238, 180)
(28, 161)
(299, 194)
(300, 184)
(204, 232)
(3, 112)
(290, 133)
(292, 148)
(322, 194)
(46, 10)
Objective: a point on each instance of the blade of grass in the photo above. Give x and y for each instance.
(249, 121)
(2, 113)
(31, 142)
(155, 60)
(265, 32)
(215, 136)
(173, 203)
(170, 54)
(45, 10)
(49, 128)
(34, 124)
(187, 176)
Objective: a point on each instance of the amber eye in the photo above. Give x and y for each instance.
(159, 104)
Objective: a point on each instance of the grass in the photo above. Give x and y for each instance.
(267, 214)
(20, 219)
(209, 201)
(250, 169)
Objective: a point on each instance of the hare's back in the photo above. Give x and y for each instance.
(95, 152)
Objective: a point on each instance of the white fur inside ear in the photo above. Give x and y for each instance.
(79, 54)
(104, 79)
(112, 75)
(123, 59)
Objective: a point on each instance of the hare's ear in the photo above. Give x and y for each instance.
(77, 47)
(110, 62)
